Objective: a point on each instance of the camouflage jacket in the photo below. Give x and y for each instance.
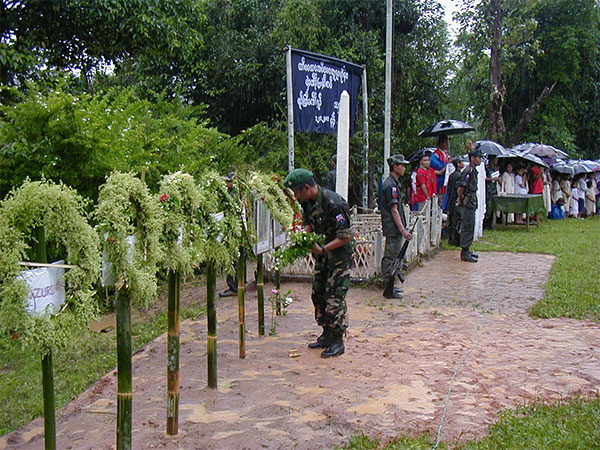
(328, 215)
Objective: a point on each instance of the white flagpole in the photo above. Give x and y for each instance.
(387, 141)
(290, 108)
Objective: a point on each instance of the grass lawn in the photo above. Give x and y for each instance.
(571, 425)
(572, 291)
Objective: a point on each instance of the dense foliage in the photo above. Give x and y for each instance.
(191, 85)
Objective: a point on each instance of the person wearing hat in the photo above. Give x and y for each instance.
(325, 212)
(331, 177)
(453, 215)
(467, 204)
(393, 222)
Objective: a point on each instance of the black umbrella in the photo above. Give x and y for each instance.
(491, 148)
(445, 128)
(416, 156)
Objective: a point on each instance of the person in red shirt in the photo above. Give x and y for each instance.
(536, 184)
(426, 182)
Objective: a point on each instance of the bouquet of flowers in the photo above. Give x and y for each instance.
(301, 243)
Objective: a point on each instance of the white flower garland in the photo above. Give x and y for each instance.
(60, 210)
(125, 208)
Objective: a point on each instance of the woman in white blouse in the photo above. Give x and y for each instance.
(508, 187)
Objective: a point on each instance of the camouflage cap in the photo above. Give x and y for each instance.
(476, 152)
(297, 178)
(394, 160)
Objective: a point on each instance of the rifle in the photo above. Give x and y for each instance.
(398, 265)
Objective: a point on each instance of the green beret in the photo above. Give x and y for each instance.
(297, 178)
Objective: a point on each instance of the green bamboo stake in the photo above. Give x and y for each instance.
(174, 282)
(260, 292)
(124, 394)
(241, 305)
(211, 319)
(47, 366)
(278, 287)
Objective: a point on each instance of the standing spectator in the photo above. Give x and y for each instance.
(331, 177)
(507, 186)
(393, 222)
(426, 181)
(547, 179)
(582, 186)
(439, 162)
(492, 178)
(574, 207)
(413, 189)
(536, 183)
(325, 212)
(590, 198)
(557, 193)
(453, 213)
(521, 185)
(565, 186)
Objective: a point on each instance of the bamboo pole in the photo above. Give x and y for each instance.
(124, 394)
(241, 305)
(278, 287)
(41, 256)
(174, 282)
(211, 319)
(260, 292)
(48, 391)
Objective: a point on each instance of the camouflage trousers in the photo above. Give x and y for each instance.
(329, 288)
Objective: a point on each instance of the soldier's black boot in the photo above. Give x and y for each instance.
(465, 255)
(335, 346)
(389, 291)
(322, 340)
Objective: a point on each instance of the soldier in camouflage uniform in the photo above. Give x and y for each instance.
(393, 222)
(325, 212)
(467, 204)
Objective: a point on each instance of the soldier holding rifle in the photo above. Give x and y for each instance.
(393, 222)
(467, 204)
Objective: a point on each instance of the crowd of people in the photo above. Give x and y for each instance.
(564, 194)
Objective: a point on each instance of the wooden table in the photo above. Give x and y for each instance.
(529, 204)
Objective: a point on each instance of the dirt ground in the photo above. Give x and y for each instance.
(460, 338)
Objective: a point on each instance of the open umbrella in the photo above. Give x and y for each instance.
(594, 166)
(416, 156)
(445, 128)
(491, 148)
(562, 168)
(542, 150)
(532, 158)
(579, 166)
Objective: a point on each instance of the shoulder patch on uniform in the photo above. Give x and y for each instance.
(394, 192)
(339, 218)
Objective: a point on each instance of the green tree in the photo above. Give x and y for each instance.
(79, 139)
(543, 42)
(144, 41)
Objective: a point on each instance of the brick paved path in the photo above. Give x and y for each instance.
(393, 379)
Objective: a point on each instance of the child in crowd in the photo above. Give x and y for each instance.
(574, 210)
